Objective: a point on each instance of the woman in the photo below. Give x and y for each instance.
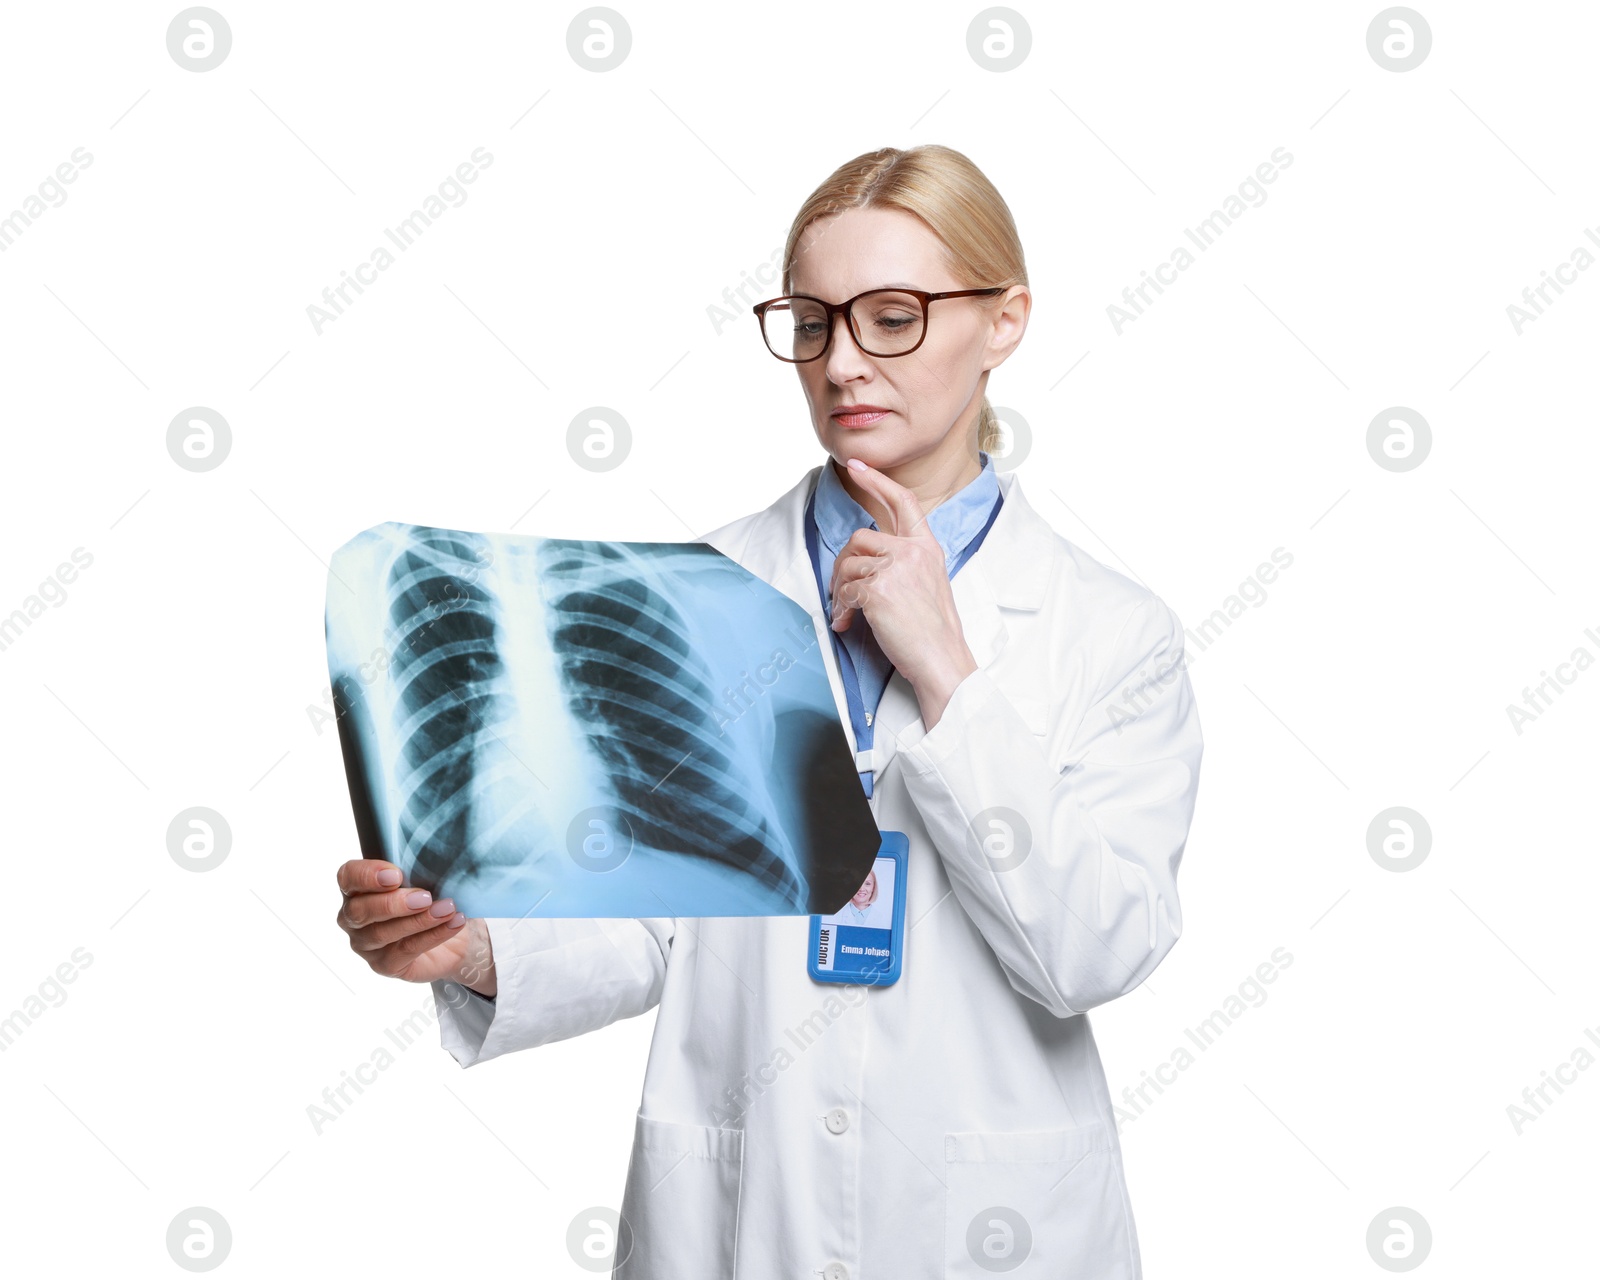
(863, 909)
(1024, 717)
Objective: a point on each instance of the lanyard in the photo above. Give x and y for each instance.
(860, 717)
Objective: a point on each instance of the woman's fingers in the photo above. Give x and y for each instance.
(905, 512)
(398, 956)
(866, 552)
(867, 546)
(375, 916)
(390, 925)
(382, 933)
(358, 910)
(368, 875)
(847, 592)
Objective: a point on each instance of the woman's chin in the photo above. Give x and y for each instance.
(868, 444)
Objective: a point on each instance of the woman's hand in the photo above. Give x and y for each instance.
(897, 579)
(402, 933)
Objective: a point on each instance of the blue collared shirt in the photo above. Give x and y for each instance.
(955, 522)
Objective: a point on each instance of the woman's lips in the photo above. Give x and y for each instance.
(860, 419)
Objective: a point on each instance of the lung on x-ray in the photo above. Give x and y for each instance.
(551, 727)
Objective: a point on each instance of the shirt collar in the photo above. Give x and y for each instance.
(954, 522)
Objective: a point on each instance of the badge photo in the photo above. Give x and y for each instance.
(864, 941)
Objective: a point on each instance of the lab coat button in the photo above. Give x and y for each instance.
(836, 1271)
(838, 1122)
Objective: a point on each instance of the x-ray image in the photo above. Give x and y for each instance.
(549, 727)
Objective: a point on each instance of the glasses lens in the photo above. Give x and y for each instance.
(887, 322)
(795, 328)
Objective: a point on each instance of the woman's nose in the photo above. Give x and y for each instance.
(844, 357)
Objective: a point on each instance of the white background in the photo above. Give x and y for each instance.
(1229, 420)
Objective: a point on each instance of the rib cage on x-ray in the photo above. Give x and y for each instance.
(452, 692)
(632, 679)
(627, 673)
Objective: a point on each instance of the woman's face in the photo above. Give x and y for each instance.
(869, 887)
(934, 394)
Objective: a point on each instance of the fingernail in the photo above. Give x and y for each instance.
(855, 464)
(420, 898)
(389, 876)
(443, 907)
(456, 921)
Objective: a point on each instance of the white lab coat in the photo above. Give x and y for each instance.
(789, 1128)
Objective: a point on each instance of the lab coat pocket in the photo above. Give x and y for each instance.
(680, 1206)
(1042, 1203)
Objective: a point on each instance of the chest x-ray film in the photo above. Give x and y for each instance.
(550, 727)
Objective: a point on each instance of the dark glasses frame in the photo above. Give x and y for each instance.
(834, 309)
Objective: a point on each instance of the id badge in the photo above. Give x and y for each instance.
(865, 941)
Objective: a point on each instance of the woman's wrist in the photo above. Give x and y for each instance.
(935, 688)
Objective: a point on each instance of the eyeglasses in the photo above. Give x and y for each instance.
(883, 322)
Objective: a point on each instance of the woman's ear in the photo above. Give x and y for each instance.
(1010, 322)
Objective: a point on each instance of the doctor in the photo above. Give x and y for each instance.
(867, 909)
(1024, 716)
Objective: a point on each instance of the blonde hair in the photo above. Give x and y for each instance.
(951, 195)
